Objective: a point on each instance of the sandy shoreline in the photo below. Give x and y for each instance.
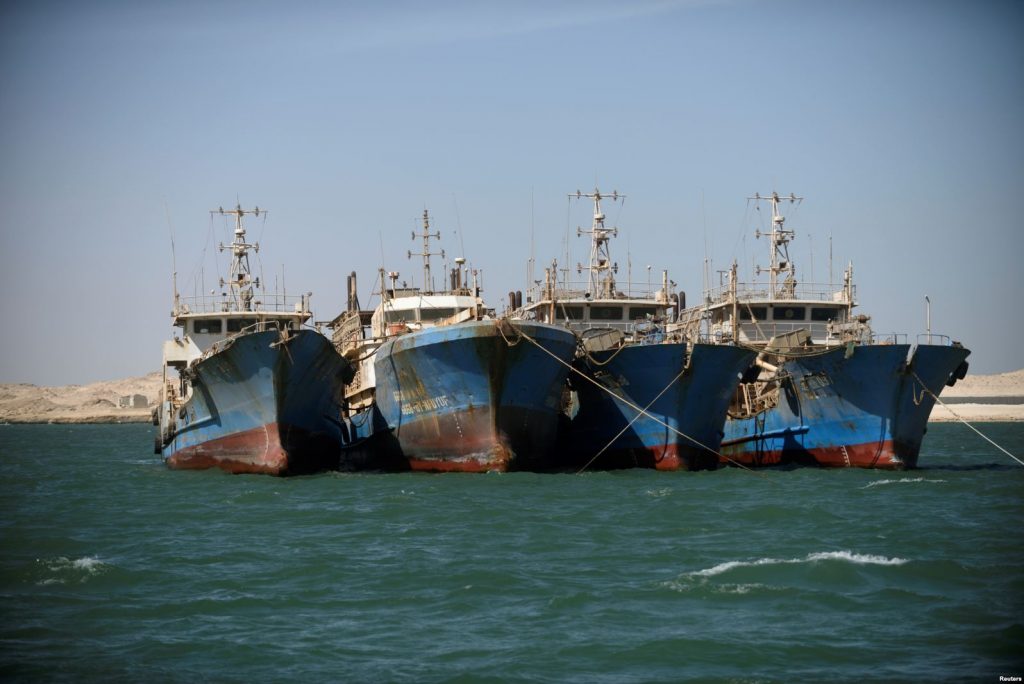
(94, 403)
(977, 413)
(98, 402)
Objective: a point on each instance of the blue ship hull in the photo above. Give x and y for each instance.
(474, 397)
(684, 395)
(865, 409)
(260, 405)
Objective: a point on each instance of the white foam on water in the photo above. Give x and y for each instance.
(89, 564)
(730, 565)
(904, 480)
(658, 493)
(70, 569)
(846, 556)
(739, 588)
(857, 558)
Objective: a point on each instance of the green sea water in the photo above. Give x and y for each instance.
(113, 568)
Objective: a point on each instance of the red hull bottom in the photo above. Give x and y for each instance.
(466, 464)
(880, 455)
(473, 441)
(475, 455)
(273, 449)
(667, 457)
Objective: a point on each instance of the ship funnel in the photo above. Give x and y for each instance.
(353, 292)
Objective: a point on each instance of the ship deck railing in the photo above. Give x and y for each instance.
(931, 338)
(723, 337)
(890, 338)
(580, 290)
(761, 292)
(210, 304)
(904, 338)
(632, 329)
(254, 327)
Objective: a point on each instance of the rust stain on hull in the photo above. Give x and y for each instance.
(273, 449)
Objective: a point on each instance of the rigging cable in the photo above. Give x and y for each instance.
(958, 417)
(633, 420)
(635, 407)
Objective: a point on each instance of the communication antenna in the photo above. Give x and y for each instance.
(830, 280)
(426, 253)
(240, 277)
(174, 257)
(780, 239)
(458, 225)
(530, 262)
(601, 268)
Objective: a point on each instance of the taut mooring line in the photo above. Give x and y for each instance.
(961, 419)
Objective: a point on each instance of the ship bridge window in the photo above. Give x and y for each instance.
(280, 323)
(239, 324)
(821, 313)
(436, 314)
(606, 313)
(398, 316)
(641, 312)
(760, 312)
(788, 313)
(206, 326)
(571, 313)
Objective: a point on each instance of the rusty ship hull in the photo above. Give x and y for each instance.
(476, 396)
(684, 392)
(264, 402)
(863, 406)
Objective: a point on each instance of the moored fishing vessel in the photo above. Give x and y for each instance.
(645, 397)
(245, 387)
(441, 385)
(824, 389)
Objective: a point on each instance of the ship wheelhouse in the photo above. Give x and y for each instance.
(758, 313)
(600, 302)
(756, 322)
(207, 329)
(408, 309)
(580, 314)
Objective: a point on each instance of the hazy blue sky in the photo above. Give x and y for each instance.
(902, 123)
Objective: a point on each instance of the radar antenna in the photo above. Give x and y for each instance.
(602, 270)
(240, 277)
(779, 239)
(426, 253)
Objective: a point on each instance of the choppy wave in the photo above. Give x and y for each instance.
(63, 570)
(629, 576)
(846, 556)
(659, 493)
(903, 480)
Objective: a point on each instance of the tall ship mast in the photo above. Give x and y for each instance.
(641, 394)
(441, 385)
(823, 389)
(246, 388)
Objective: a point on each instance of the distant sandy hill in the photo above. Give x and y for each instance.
(988, 390)
(99, 402)
(95, 403)
(1002, 385)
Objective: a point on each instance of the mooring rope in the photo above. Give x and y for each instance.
(790, 354)
(633, 406)
(594, 361)
(500, 325)
(961, 419)
(630, 423)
